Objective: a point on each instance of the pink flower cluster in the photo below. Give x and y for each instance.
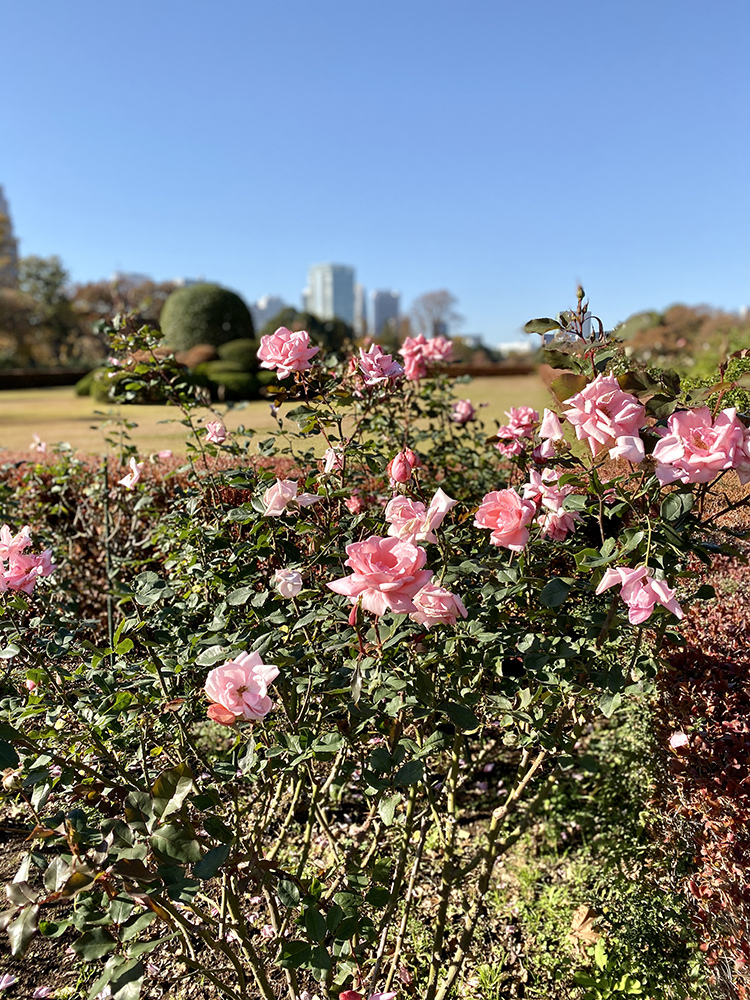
(418, 353)
(463, 412)
(520, 427)
(18, 570)
(286, 351)
(555, 521)
(607, 417)
(411, 521)
(239, 689)
(133, 477)
(640, 591)
(508, 515)
(282, 494)
(378, 368)
(695, 448)
(388, 573)
(216, 432)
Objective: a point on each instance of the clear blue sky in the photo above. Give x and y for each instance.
(503, 150)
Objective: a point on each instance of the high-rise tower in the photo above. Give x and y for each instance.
(330, 292)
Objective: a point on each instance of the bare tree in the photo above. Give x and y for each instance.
(434, 313)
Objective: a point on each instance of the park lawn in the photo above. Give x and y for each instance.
(58, 415)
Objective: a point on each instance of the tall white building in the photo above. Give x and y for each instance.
(266, 308)
(385, 309)
(330, 292)
(360, 310)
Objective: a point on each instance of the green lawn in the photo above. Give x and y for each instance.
(59, 415)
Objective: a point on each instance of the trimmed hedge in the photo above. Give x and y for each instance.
(204, 314)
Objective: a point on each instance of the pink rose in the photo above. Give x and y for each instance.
(695, 448)
(355, 503)
(400, 468)
(640, 592)
(601, 413)
(378, 367)
(286, 351)
(38, 445)
(436, 605)
(522, 420)
(130, 480)
(510, 444)
(551, 428)
(678, 741)
(333, 460)
(462, 411)
(288, 582)
(216, 432)
(412, 522)
(629, 448)
(239, 689)
(413, 351)
(22, 569)
(558, 524)
(31, 685)
(278, 497)
(438, 349)
(507, 516)
(387, 574)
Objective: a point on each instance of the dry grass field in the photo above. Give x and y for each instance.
(58, 415)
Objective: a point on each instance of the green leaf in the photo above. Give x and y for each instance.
(562, 359)
(705, 592)
(22, 930)
(10, 650)
(554, 593)
(211, 655)
(287, 892)
(94, 944)
(8, 756)
(135, 925)
(208, 866)
(126, 984)
(461, 716)
(294, 954)
(387, 807)
(541, 325)
(217, 829)
(609, 702)
(240, 596)
(171, 788)
(567, 385)
(174, 842)
(409, 773)
(315, 924)
(319, 962)
(676, 505)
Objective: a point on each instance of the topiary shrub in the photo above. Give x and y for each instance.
(83, 385)
(227, 380)
(243, 351)
(204, 314)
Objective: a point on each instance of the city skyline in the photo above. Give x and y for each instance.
(507, 152)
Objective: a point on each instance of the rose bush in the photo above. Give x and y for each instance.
(281, 850)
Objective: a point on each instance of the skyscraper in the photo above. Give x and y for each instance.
(360, 310)
(330, 292)
(385, 307)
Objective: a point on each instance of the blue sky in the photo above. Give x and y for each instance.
(501, 150)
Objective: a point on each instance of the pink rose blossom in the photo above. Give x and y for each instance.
(522, 420)
(678, 740)
(507, 516)
(400, 468)
(240, 688)
(387, 574)
(695, 448)
(22, 570)
(551, 428)
(288, 582)
(602, 412)
(628, 447)
(412, 522)
(355, 503)
(286, 351)
(438, 349)
(38, 445)
(7, 981)
(164, 454)
(415, 358)
(640, 591)
(463, 411)
(510, 444)
(31, 685)
(333, 460)
(129, 481)
(555, 521)
(377, 367)
(278, 497)
(216, 432)
(558, 524)
(435, 605)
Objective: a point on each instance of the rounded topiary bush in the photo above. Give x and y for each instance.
(204, 314)
(243, 352)
(227, 380)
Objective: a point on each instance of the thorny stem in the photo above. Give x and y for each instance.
(407, 907)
